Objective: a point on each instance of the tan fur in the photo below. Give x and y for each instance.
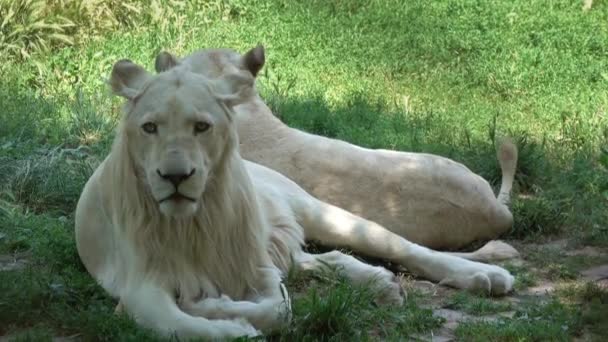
(428, 199)
(208, 263)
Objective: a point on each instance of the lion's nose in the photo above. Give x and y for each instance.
(175, 178)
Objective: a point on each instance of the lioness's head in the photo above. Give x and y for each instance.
(178, 128)
(214, 63)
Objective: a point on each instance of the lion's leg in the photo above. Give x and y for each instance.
(155, 308)
(383, 281)
(268, 310)
(336, 227)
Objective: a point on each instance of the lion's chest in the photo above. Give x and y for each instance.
(193, 286)
(192, 277)
(195, 260)
(196, 282)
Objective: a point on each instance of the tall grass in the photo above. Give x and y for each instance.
(34, 26)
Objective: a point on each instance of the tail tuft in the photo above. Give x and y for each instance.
(507, 158)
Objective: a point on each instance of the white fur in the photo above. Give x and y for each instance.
(212, 268)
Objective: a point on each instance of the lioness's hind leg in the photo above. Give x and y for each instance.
(333, 226)
(494, 250)
(382, 281)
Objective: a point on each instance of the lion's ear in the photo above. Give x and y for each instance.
(128, 78)
(235, 88)
(254, 60)
(165, 61)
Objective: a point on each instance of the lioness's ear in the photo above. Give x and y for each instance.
(234, 89)
(254, 60)
(127, 78)
(165, 61)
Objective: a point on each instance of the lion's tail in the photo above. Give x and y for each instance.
(507, 157)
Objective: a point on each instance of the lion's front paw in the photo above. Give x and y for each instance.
(475, 276)
(235, 328)
(210, 308)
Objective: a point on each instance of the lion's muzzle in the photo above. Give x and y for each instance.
(176, 178)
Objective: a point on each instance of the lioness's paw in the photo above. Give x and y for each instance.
(474, 276)
(389, 289)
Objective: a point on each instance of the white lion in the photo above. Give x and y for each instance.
(427, 199)
(194, 240)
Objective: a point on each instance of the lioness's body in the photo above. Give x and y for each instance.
(194, 240)
(428, 199)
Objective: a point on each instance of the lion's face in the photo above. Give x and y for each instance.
(178, 128)
(177, 133)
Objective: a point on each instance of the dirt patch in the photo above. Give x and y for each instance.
(9, 262)
(588, 251)
(596, 273)
(541, 289)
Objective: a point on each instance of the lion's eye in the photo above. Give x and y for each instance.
(149, 127)
(201, 126)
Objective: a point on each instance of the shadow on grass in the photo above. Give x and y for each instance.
(49, 148)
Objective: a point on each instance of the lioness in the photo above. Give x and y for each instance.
(427, 199)
(194, 240)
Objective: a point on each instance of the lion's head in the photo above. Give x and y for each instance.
(215, 63)
(178, 128)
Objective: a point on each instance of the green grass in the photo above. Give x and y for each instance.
(446, 77)
(475, 305)
(555, 264)
(577, 310)
(595, 310)
(524, 278)
(331, 309)
(534, 321)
